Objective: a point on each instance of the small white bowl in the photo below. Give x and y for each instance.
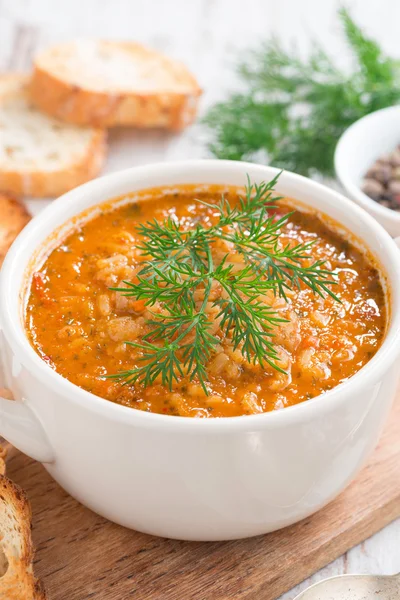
(359, 147)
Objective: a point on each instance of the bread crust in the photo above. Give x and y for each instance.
(17, 581)
(59, 97)
(39, 183)
(14, 217)
(3, 455)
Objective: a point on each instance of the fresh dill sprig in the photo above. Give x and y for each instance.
(179, 269)
(293, 110)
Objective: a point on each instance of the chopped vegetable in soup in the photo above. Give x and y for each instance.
(102, 310)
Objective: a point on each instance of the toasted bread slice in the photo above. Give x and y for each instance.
(40, 156)
(17, 581)
(13, 218)
(105, 83)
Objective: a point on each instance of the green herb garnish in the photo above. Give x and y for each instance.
(293, 111)
(180, 263)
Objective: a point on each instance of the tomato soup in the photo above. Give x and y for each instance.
(83, 328)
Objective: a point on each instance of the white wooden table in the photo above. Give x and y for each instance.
(207, 35)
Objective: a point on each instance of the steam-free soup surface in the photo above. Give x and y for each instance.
(80, 327)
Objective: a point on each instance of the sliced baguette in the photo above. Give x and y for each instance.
(105, 83)
(41, 156)
(13, 218)
(17, 581)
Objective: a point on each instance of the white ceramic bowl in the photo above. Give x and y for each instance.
(188, 478)
(358, 148)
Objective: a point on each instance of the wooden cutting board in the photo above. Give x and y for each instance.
(81, 556)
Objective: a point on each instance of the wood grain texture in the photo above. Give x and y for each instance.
(81, 556)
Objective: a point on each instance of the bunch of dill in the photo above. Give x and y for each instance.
(179, 263)
(293, 111)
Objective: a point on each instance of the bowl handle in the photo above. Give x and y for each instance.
(20, 426)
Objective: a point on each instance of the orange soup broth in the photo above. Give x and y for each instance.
(79, 326)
